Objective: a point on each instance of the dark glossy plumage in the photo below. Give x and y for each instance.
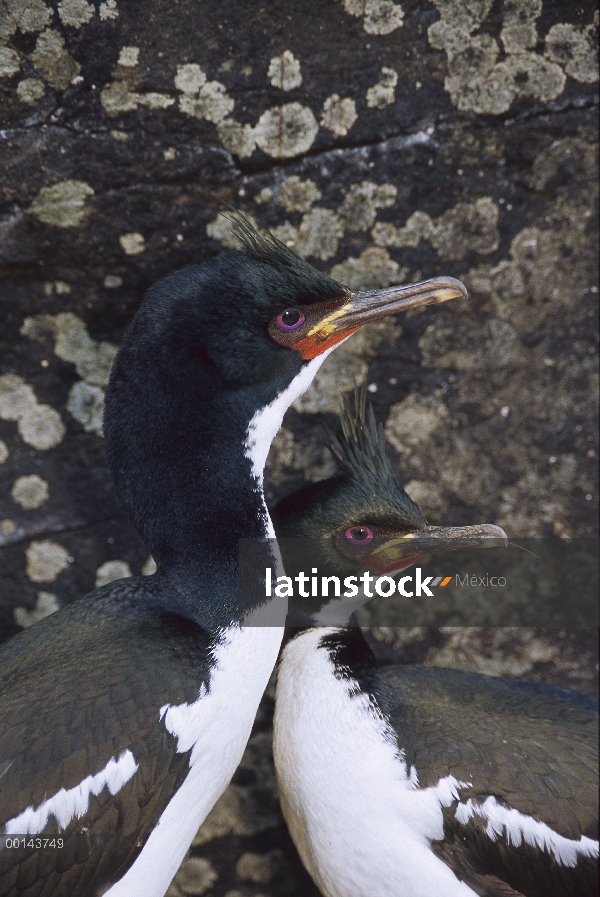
(525, 748)
(85, 688)
(66, 726)
(133, 706)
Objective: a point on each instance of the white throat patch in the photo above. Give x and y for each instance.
(265, 423)
(263, 427)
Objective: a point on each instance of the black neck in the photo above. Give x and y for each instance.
(353, 660)
(176, 446)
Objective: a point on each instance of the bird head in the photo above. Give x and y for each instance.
(210, 348)
(261, 313)
(362, 519)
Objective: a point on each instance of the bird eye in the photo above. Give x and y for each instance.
(290, 319)
(359, 535)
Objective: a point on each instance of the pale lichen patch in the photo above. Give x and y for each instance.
(519, 28)
(427, 495)
(418, 227)
(120, 136)
(465, 227)
(108, 10)
(129, 57)
(372, 270)
(75, 12)
(296, 195)
(361, 202)
(379, 16)
(286, 233)
(237, 138)
(9, 62)
(118, 97)
(383, 93)
(310, 456)
(578, 156)
(110, 571)
(62, 205)
(284, 71)
(264, 195)
(149, 567)
(92, 362)
(338, 114)
(41, 428)
(476, 81)
(112, 281)
(4, 452)
(575, 50)
(45, 560)
(54, 61)
(132, 243)
(60, 287)
(169, 154)
(196, 875)
(281, 132)
(259, 867)
(412, 422)
(189, 78)
(497, 347)
(46, 604)
(319, 234)
(286, 131)
(201, 98)
(530, 280)
(30, 492)
(73, 343)
(213, 103)
(38, 425)
(30, 90)
(16, 397)
(29, 16)
(86, 405)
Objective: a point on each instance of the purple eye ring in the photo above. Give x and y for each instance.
(290, 319)
(359, 535)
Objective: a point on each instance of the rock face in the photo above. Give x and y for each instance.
(382, 141)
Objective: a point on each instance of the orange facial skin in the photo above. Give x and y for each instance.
(309, 347)
(379, 567)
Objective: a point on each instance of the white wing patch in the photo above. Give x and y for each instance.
(516, 827)
(215, 728)
(74, 802)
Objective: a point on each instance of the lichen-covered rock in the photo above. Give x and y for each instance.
(385, 142)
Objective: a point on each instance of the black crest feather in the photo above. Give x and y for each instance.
(264, 247)
(359, 449)
(359, 444)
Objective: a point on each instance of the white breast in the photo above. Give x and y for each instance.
(357, 816)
